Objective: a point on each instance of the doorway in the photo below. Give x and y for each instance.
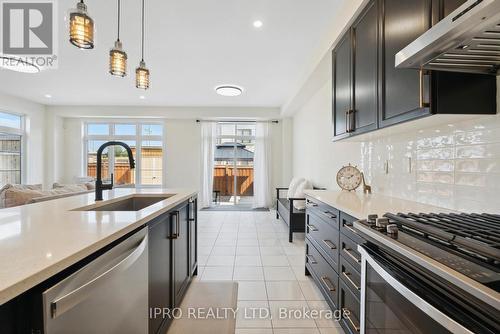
(234, 165)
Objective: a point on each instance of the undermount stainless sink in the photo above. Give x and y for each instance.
(134, 203)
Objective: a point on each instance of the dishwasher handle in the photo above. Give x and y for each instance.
(73, 298)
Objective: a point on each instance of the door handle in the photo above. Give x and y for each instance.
(347, 314)
(347, 251)
(177, 233)
(347, 121)
(352, 120)
(349, 228)
(348, 278)
(421, 97)
(311, 259)
(330, 215)
(328, 283)
(73, 298)
(312, 228)
(329, 244)
(312, 204)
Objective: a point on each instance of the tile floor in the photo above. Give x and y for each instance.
(253, 249)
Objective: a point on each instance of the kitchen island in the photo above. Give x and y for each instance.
(43, 240)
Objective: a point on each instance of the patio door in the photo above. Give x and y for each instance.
(233, 165)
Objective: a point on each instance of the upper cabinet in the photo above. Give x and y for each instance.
(370, 93)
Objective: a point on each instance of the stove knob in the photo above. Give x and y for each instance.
(392, 229)
(382, 222)
(372, 217)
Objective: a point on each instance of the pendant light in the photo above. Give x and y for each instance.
(118, 57)
(81, 27)
(142, 72)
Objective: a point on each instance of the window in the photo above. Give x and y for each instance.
(11, 148)
(146, 142)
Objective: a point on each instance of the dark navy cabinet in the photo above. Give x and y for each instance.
(369, 93)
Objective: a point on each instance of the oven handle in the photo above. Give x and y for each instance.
(410, 296)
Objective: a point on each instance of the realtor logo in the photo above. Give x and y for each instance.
(29, 33)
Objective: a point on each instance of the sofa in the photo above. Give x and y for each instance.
(12, 195)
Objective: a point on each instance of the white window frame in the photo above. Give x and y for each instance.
(22, 133)
(138, 138)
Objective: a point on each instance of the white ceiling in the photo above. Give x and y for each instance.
(191, 47)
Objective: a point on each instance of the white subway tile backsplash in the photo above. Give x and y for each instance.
(456, 166)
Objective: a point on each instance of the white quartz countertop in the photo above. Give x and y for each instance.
(360, 205)
(39, 240)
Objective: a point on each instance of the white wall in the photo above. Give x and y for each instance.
(182, 138)
(34, 168)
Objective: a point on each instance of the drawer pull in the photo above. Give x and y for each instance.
(348, 278)
(328, 283)
(349, 228)
(311, 259)
(330, 215)
(347, 315)
(312, 204)
(329, 244)
(347, 251)
(312, 228)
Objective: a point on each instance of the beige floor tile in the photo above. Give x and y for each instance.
(274, 261)
(253, 331)
(220, 261)
(297, 260)
(279, 274)
(247, 250)
(248, 274)
(224, 250)
(284, 290)
(295, 331)
(326, 320)
(248, 261)
(252, 290)
(331, 330)
(310, 290)
(290, 314)
(248, 242)
(217, 274)
(271, 250)
(253, 314)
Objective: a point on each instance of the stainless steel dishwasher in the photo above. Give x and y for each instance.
(108, 295)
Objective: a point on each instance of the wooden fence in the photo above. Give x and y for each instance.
(224, 180)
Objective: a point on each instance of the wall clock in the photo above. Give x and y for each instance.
(349, 177)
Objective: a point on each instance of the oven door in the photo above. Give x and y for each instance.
(389, 306)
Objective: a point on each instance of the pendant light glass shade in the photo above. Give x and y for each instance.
(81, 27)
(142, 76)
(118, 61)
(142, 73)
(118, 57)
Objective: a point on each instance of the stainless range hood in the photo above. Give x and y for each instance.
(467, 40)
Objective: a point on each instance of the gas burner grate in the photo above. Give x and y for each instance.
(477, 235)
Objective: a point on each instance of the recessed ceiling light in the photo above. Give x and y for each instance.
(48, 96)
(229, 90)
(142, 97)
(258, 24)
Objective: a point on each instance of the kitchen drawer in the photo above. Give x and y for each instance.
(349, 251)
(350, 310)
(350, 276)
(326, 237)
(323, 274)
(325, 212)
(346, 227)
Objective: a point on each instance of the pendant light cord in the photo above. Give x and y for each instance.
(118, 20)
(142, 30)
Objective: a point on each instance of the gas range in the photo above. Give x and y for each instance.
(439, 273)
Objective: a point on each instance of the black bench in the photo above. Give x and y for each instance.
(295, 218)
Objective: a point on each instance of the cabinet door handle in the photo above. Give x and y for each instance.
(347, 314)
(347, 121)
(312, 228)
(347, 251)
(328, 283)
(177, 233)
(352, 120)
(422, 103)
(311, 259)
(348, 278)
(350, 228)
(330, 215)
(329, 244)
